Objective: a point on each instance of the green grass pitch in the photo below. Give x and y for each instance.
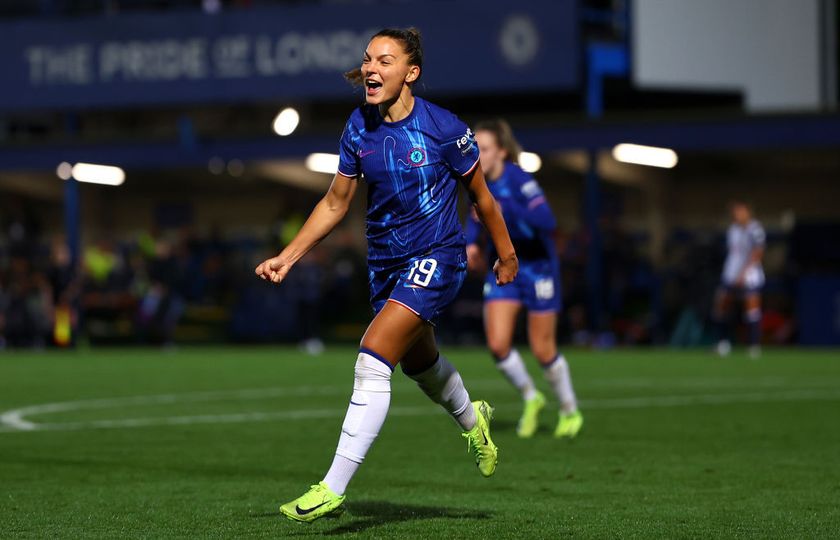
(206, 443)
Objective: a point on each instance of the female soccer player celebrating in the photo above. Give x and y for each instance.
(410, 153)
(532, 227)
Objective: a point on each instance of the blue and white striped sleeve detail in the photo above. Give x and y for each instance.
(459, 148)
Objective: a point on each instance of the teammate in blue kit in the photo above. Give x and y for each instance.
(411, 154)
(537, 287)
(742, 277)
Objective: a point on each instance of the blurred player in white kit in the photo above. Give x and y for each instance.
(742, 278)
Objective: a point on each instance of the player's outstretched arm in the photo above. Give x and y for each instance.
(491, 216)
(328, 213)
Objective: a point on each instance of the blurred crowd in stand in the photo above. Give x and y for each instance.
(163, 287)
(177, 286)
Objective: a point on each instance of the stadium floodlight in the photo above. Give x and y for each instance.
(322, 163)
(530, 162)
(286, 121)
(98, 174)
(651, 156)
(64, 170)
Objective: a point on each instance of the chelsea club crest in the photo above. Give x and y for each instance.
(417, 156)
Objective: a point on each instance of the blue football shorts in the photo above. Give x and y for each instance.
(537, 287)
(425, 285)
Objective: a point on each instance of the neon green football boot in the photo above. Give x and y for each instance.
(479, 441)
(569, 425)
(530, 416)
(316, 503)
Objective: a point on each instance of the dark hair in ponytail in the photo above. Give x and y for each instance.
(409, 38)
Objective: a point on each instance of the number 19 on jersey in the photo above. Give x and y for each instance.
(422, 272)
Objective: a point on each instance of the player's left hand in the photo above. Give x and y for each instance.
(506, 270)
(274, 269)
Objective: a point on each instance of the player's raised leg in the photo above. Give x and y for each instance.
(542, 329)
(391, 334)
(439, 380)
(499, 325)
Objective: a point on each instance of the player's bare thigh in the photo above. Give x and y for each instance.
(500, 324)
(542, 335)
(393, 332)
(422, 354)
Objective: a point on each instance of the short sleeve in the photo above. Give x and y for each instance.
(459, 148)
(529, 191)
(348, 162)
(531, 202)
(757, 235)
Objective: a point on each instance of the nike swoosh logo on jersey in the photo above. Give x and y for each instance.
(302, 512)
(363, 153)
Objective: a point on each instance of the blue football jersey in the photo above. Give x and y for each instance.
(528, 217)
(412, 168)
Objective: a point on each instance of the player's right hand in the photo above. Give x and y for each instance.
(506, 270)
(274, 269)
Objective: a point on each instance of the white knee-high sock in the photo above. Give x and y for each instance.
(558, 375)
(443, 384)
(513, 368)
(365, 416)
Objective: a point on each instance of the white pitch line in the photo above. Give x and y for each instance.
(15, 417)
(700, 382)
(14, 420)
(256, 416)
(712, 399)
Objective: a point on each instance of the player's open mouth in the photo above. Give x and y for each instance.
(372, 87)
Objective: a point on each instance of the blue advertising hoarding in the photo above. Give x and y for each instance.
(818, 310)
(287, 53)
